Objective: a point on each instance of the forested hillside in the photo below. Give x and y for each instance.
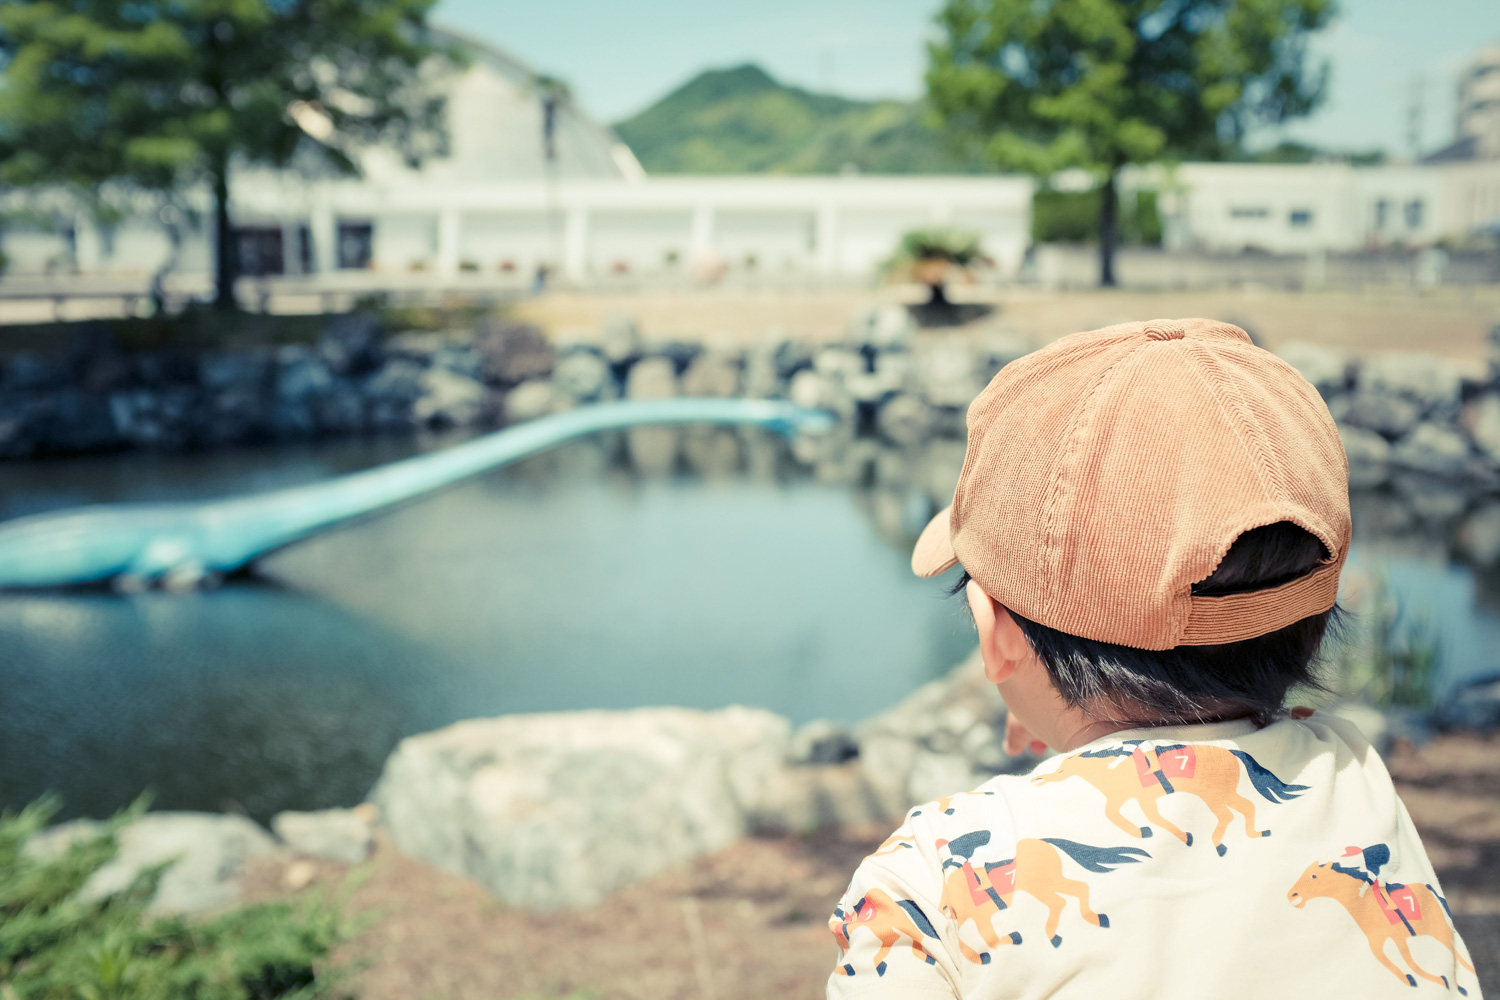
(741, 120)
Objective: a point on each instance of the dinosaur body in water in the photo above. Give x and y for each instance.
(141, 543)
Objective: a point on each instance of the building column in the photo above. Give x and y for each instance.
(325, 238)
(449, 234)
(88, 245)
(576, 243)
(826, 236)
(702, 238)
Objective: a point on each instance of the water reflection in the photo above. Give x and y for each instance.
(249, 698)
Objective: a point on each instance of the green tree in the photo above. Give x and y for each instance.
(167, 95)
(1044, 85)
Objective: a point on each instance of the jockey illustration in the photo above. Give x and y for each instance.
(1386, 912)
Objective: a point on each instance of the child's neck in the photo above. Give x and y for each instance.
(1093, 726)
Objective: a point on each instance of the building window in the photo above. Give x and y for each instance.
(1382, 213)
(260, 250)
(1249, 212)
(1414, 214)
(1300, 218)
(356, 245)
(304, 250)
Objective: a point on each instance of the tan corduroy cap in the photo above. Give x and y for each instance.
(1110, 471)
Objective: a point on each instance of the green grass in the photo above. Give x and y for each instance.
(1392, 658)
(54, 947)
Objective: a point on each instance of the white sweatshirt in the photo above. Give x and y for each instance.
(1214, 861)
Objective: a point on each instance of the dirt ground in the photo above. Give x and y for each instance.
(1447, 321)
(748, 922)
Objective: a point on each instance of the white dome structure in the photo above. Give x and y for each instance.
(496, 123)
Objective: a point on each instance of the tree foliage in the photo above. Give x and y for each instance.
(162, 94)
(1044, 85)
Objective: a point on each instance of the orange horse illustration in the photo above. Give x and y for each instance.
(889, 920)
(977, 893)
(1146, 774)
(1385, 911)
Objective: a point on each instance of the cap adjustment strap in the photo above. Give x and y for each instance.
(1215, 620)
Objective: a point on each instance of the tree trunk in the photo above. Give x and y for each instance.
(226, 264)
(1109, 218)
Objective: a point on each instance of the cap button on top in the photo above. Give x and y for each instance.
(1164, 330)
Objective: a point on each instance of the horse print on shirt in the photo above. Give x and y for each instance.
(1385, 911)
(1147, 774)
(977, 892)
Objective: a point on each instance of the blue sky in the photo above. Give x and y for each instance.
(620, 55)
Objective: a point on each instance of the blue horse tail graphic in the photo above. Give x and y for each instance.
(966, 845)
(917, 917)
(1272, 788)
(1097, 859)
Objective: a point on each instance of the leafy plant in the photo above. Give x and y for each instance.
(1073, 217)
(956, 246)
(55, 946)
(1393, 659)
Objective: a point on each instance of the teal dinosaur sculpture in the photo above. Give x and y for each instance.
(149, 541)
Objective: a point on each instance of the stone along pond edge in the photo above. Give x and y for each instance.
(555, 810)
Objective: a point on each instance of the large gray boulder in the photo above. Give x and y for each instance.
(556, 810)
(1433, 448)
(449, 399)
(885, 327)
(1432, 382)
(712, 374)
(651, 378)
(512, 352)
(945, 373)
(1326, 368)
(1484, 425)
(1369, 457)
(1384, 413)
(945, 737)
(207, 852)
(345, 835)
(584, 376)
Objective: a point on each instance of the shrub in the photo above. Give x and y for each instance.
(1073, 217)
(54, 946)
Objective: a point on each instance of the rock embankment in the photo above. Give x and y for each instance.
(1398, 412)
(560, 809)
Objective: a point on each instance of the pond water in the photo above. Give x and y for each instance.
(572, 580)
(699, 568)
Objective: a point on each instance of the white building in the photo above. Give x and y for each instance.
(498, 208)
(1300, 208)
(1478, 107)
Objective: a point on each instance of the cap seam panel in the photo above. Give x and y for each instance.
(1083, 418)
(1237, 422)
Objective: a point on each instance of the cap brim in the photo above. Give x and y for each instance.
(933, 553)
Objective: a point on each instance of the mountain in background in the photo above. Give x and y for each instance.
(742, 121)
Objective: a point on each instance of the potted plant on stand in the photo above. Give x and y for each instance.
(934, 257)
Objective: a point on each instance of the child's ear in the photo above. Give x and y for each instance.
(1002, 644)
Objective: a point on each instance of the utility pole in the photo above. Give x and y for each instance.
(1416, 117)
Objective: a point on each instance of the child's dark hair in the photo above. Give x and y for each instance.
(1197, 683)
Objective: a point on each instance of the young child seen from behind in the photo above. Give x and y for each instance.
(1151, 521)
